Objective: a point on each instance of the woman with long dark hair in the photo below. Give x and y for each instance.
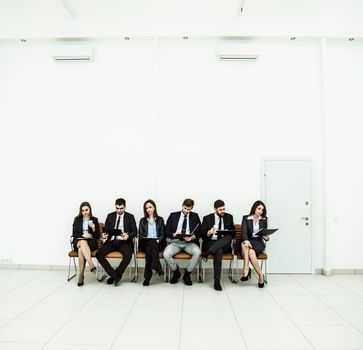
(253, 244)
(86, 231)
(151, 240)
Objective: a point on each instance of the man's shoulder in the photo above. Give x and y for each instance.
(129, 215)
(229, 216)
(193, 214)
(209, 216)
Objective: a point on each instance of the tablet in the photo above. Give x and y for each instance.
(267, 231)
(225, 232)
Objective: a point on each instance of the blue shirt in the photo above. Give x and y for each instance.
(151, 229)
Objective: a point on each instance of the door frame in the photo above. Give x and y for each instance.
(312, 199)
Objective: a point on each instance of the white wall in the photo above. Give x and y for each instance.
(344, 162)
(124, 124)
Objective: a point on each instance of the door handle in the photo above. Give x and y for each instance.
(305, 218)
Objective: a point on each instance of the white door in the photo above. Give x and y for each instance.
(287, 195)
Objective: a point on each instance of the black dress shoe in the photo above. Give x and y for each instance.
(217, 285)
(117, 279)
(93, 270)
(146, 282)
(110, 280)
(204, 256)
(176, 276)
(246, 278)
(186, 278)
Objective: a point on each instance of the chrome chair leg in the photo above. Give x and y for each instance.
(69, 269)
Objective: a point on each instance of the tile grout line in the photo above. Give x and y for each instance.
(234, 315)
(331, 308)
(181, 319)
(350, 290)
(126, 318)
(290, 318)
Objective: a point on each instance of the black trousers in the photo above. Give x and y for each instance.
(217, 249)
(125, 248)
(152, 261)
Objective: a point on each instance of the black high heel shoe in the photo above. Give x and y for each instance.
(248, 277)
(93, 270)
(80, 284)
(262, 284)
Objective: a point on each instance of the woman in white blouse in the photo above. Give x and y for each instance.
(252, 243)
(86, 231)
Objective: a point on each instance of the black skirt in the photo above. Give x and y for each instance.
(258, 245)
(92, 243)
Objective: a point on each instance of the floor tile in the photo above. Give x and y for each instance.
(292, 312)
(34, 331)
(20, 346)
(87, 333)
(151, 337)
(211, 336)
(274, 337)
(261, 316)
(315, 316)
(341, 337)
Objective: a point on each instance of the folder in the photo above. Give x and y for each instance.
(225, 232)
(267, 231)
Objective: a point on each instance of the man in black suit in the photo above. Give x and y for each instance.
(120, 229)
(214, 243)
(183, 228)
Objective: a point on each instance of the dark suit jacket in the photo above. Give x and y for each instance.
(208, 223)
(78, 228)
(129, 226)
(172, 224)
(247, 227)
(144, 227)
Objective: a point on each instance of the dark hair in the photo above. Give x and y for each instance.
(255, 205)
(146, 215)
(188, 203)
(120, 201)
(218, 203)
(85, 204)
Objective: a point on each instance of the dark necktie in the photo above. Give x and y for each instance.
(184, 226)
(118, 223)
(220, 223)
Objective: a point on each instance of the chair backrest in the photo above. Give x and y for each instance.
(237, 238)
(99, 241)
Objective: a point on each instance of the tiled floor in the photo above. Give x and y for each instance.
(40, 310)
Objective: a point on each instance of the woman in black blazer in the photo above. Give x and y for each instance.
(252, 244)
(151, 239)
(86, 231)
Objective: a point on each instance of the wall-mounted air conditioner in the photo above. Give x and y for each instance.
(237, 52)
(74, 52)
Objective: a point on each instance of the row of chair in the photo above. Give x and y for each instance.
(233, 257)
